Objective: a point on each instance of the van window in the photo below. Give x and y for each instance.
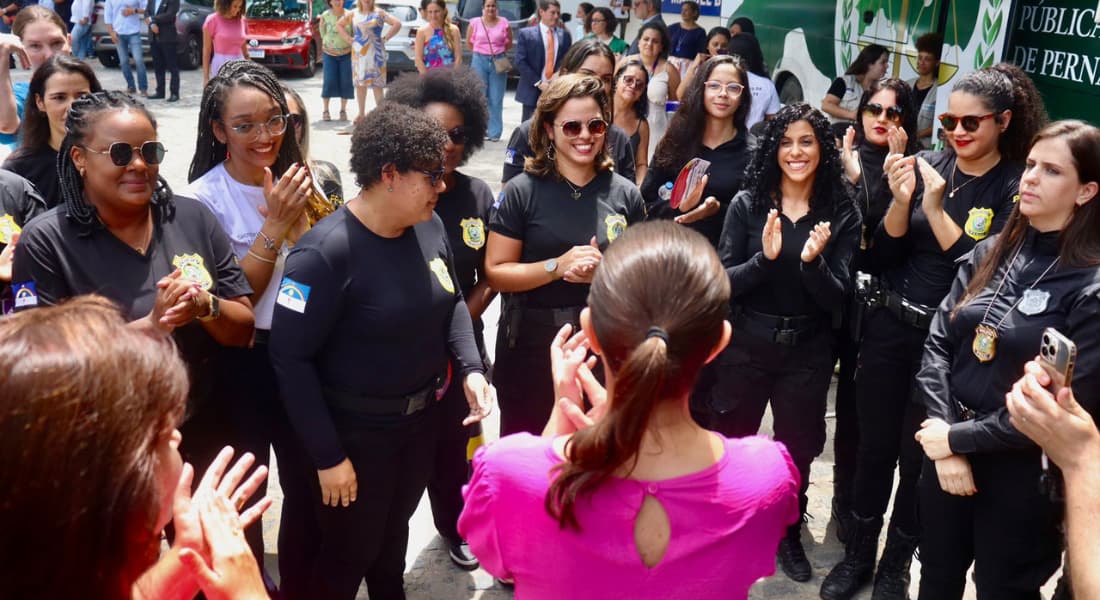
(400, 12)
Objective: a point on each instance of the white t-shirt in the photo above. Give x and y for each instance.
(236, 206)
(765, 99)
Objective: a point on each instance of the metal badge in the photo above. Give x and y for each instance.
(1034, 302)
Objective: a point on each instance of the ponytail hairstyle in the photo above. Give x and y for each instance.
(1005, 87)
(83, 116)
(657, 304)
(1079, 241)
(36, 123)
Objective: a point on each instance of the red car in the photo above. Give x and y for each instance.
(282, 34)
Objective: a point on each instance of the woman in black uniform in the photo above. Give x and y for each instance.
(710, 124)
(545, 240)
(787, 244)
(887, 124)
(980, 498)
(367, 318)
(121, 233)
(456, 98)
(964, 194)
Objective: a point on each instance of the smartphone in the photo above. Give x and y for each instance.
(1057, 355)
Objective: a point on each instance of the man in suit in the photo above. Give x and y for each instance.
(647, 11)
(163, 45)
(533, 47)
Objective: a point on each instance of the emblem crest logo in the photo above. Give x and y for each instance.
(8, 229)
(978, 222)
(439, 268)
(1034, 302)
(193, 268)
(473, 233)
(616, 224)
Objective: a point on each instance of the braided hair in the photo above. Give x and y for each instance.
(208, 150)
(84, 113)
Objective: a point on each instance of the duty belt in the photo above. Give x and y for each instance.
(908, 312)
(783, 330)
(406, 405)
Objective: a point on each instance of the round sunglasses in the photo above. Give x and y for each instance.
(573, 128)
(970, 123)
(893, 113)
(122, 154)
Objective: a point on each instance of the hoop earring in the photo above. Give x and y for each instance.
(550, 152)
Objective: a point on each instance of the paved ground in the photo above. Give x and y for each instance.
(430, 575)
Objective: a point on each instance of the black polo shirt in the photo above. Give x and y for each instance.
(40, 168)
(541, 213)
(519, 148)
(464, 209)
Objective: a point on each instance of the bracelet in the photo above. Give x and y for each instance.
(260, 258)
(269, 243)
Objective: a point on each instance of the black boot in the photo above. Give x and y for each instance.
(854, 571)
(791, 555)
(842, 505)
(892, 576)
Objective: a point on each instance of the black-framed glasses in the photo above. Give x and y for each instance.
(122, 154)
(970, 123)
(572, 128)
(434, 176)
(893, 113)
(633, 82)
(275, 126)
(458, 135)
(732, 88)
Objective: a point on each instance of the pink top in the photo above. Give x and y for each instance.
(726, 523)
(228, 34)
(480, 36)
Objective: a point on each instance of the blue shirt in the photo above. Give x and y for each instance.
(20, 90)
(112, 15)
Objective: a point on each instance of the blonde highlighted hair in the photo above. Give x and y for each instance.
(563, 89)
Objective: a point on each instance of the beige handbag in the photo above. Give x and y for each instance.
(502, 64)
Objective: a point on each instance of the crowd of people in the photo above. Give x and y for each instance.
(644, 329)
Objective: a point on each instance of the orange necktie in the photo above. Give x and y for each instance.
(549, 55)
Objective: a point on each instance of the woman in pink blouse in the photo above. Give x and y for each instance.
(633, 499)
(223, 37)
(489, 37)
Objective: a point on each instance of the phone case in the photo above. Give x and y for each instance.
(689, 176)
(1057, 355)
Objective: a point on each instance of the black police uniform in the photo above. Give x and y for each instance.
(916, 275)
(56, 259)
(519, 148)
(541, 213)
(782, 349)
(727, 172)
(464, 210)
(40, 168)
(19, 203)
(363, 330)
(1010, 527)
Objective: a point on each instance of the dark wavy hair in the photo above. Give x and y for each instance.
(661, 31)
(657, 274)
(610, 21)
(641, 106)
(684, 137)
(83, 115)
(867, 57)
(581, 50)
(1005, 87)
(398, 135)
(904, 100)
(36, 124)
(747, 47)
(763, 176)
(561, 90)
(460, 87)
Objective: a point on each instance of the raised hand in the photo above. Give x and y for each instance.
(897, 139)
(901, 175)
(286, 200)
(231, 571)
(579, 263)
(772, 237)
(934, 186)
(6, 257)
(815, 243)
(849, 158)
(691, 200)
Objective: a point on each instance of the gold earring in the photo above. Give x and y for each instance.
(390, 189)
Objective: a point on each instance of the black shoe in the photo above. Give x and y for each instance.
(842, 516)
(854, 571)
(174, 98)
(157, 96)
(792, 558)
(892, 576)
(461, 555)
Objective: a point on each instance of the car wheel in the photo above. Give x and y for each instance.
(191, 56)
(108, 59)
(311, 62)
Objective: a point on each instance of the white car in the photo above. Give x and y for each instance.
(401, 51)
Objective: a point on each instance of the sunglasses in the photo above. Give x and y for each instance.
(970, 123)
(733, 89)
(458, 135)
(633, 82)
(434, 176)
(275, 126)
(573, 128)
(893, 113)
(122, 154)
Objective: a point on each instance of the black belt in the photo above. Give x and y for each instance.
(406, 405)
(907, 311)
(784, 330)
(261, 337)
(552, 316)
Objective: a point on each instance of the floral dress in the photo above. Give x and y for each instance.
(368, 49)
(436, 52)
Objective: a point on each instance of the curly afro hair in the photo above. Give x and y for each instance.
(398, 135)
(763, 175)
(460, 87)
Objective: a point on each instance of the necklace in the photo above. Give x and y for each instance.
(141, 248)
(985, 335)
(576, 191)
(955, 188)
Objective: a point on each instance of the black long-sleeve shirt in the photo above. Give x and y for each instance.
(787, 286)
(914, 265)
(1067, 299)
(726, 174)
(365, 316)
(872, 195)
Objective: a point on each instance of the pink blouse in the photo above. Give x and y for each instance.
(480, 36)
(726, 523)
(227, 34)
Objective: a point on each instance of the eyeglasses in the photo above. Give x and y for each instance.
(716, 87)
(458, 135)
(122, 154)
(893, 113)
(275, 126)
(434, 176)
(970, 123)
(572, 128)
(633, 82)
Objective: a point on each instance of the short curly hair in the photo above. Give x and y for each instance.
(460, 87)
(564, 88)
(398, 135)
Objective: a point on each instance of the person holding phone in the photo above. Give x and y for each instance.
(981, 472)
